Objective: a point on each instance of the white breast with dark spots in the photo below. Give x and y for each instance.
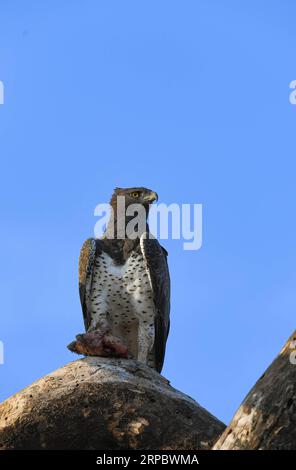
(123, 294)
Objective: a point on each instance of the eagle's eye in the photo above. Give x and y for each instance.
(135, 194)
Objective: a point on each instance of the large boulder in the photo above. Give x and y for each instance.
(101, 403)
(266, 420)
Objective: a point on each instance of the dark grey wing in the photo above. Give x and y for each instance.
(87, 258)
(156, 259)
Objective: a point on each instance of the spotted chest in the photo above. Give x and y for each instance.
(123, 294)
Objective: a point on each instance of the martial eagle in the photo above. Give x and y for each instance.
(124, 288)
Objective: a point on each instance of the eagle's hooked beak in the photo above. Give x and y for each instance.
(153, 196)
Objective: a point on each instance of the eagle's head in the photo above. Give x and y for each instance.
(136, 195)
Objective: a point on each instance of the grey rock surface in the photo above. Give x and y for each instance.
(102, 403)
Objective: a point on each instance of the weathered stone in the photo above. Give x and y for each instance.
(101, 403)
(267, 417)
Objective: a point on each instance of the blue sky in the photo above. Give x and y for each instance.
(190, 99)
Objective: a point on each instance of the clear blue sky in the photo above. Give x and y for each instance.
(188, 98)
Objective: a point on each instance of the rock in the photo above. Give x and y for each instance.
(267, 417)
(102, 403)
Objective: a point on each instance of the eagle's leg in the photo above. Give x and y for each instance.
(145, 341)
(99, 341)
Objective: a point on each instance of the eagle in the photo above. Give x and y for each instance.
(124, 287)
